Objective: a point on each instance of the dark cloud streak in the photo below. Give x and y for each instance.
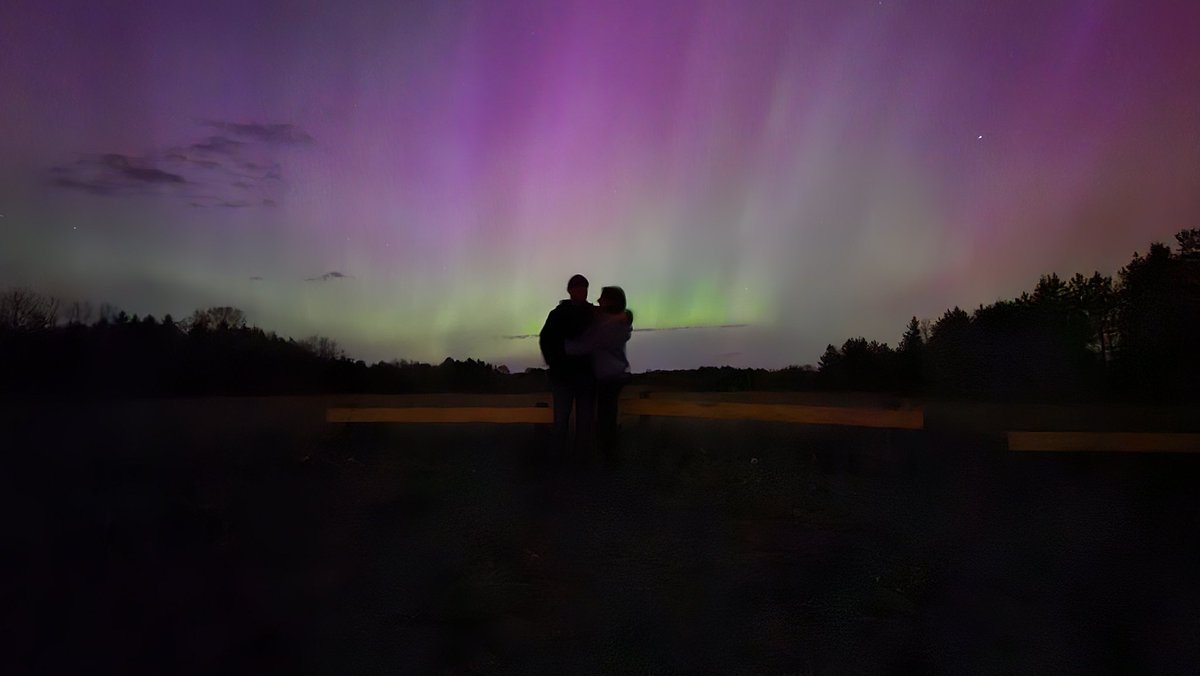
(241, 151)
(218, 144)
(328, 276)
(112, 174)
(139, 170)
(278, 133)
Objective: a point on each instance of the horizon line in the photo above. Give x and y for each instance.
(523, 336)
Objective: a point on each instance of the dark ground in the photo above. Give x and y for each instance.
(219, 536)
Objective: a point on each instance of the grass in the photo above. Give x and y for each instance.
(234, 535)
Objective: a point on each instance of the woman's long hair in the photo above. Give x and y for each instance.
(616, 295)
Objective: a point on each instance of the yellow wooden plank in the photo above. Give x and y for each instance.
(811, 415)
(1120, 442)
(439, 414)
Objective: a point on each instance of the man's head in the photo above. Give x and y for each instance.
(577, 288)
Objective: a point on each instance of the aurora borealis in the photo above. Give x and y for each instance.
(419, 180)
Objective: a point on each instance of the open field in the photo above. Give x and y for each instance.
(231, 534)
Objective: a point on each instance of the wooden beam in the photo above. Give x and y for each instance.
(810, 415)
(791, 413)
(1116, 442)
(441, 414)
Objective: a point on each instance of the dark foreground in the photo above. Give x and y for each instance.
(229, 536)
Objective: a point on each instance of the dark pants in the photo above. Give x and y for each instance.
(607, 394)
(580, 392)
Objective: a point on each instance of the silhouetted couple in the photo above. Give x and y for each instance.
(584, 347)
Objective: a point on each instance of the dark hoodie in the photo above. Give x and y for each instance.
(568, 320)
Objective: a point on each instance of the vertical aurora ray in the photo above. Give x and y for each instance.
(812, 170)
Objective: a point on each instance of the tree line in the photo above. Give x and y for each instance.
(51, 349)
(1132, 336)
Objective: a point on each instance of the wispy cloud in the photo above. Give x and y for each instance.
(265, 133)
(524, 336)
(694, 328)
(92, 186)
(113, 174)
(139, 169)
(217, 144)
(206, 201)
(257, 170)
(328, 277)
(234, 169)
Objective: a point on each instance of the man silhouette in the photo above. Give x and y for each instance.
(571, 379)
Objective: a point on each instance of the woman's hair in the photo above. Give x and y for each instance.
(617, 296)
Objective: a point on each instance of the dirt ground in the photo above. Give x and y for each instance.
(230, 535)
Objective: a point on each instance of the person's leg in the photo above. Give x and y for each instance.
(607, 397)
(605, 413)
(563, 398)
(585, 418)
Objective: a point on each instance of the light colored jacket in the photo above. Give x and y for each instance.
(605, 340)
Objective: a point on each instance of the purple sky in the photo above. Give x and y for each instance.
(809, 171)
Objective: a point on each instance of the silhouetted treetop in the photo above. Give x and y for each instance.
(216, 318)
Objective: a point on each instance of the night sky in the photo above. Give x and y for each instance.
(419, 180)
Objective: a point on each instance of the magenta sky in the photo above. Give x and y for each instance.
(811, 170)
